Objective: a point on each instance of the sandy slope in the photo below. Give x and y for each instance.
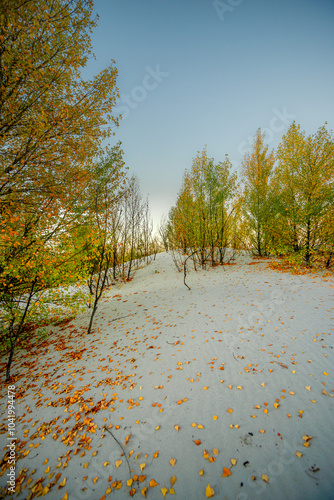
(243, 336)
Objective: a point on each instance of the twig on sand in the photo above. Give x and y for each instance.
(119, 444)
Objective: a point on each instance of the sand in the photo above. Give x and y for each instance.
(242, 364)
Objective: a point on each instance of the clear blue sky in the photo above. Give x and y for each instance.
(203, 72)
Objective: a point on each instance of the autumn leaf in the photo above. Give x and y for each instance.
(209, 492)
(144, 490)
(142, 466)
(233, 461)
(264, 477)
(172, 462)
(118, 463)
(197, 441)
(62, 484)
(299, 454)
(177, 427)
(153, 483)
(226, 472)
(229, 410)
(215, 451)
(155, 454)
(164, 490)
(173, 480)
(215, 417)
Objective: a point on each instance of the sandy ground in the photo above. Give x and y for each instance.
(174, 384)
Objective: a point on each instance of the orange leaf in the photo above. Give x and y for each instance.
(226, 472)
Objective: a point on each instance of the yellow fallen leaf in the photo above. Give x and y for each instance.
(142, 466)
(233, 461)
(205, 388)
(164, 490)
(95, 479)
(201, 472)
(325, 392)
(299, 455)
(253, 416)
(215, 417)
(108, 490)
(226, 472)
(264, 477)
(307, 444)
(313, 401)
(157, 427)
(172, 462)
(132, 492)
(257, 407)
(155, 454)
(306, 437)
(308, 387)
(171, 491)
(215, 451)
(118, 463)
(262, 431)
(200, 426)
(105, 464)
(153, 483)
(62, 483)
(173, 480)
(292, 393)
(141, 478)
(276, 405)
(239, 387)
(229, 410)
(325, 373)
(263, 384)
(193, 424)
(144, 490)
(177, 427)
(209, 492)
(65, 497)
(47, 470)
(129, 482)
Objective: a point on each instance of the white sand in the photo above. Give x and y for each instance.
(271, 332)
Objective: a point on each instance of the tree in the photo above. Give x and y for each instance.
(257, 169)
(200, 222)
(52, 125)
(304, 181)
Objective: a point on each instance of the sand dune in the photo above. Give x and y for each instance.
(242, 363)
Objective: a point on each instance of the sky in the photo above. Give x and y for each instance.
(209, 73)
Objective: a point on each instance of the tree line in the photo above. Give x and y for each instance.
(70, 216)
(282, 204)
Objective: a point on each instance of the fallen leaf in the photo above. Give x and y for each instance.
(177, 427)
(299, 454)
(201, 472)
(215, 417)
(197, 441)
(173, 480)
(118, 463)
(172, 462)
(229, 410)
(264, 477)
(144, 490)
(62, 484)
(200, 426)
(226, 472)
(142, 466)
(209, 492)
(215, 451)
(171, 491)
(155, 454)
(308, 387)
(164, 490)
(129, 482)
(233, 461)
(153, 483)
